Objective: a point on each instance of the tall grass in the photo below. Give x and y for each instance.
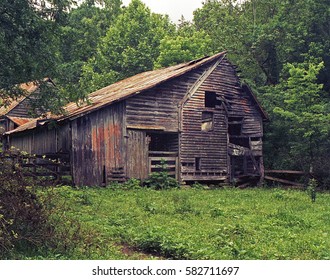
(194, 224)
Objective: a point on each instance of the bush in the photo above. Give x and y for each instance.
(23, 219)
(161, 180)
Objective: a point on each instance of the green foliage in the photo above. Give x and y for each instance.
(217, 224)
(311, 189)
(23, 218)
(79, 36)
(72, 237)
(301, 117)
(182, 48)
(130, 46)
(26, 45)
(161, 180)
(198, 186)
(130, 184)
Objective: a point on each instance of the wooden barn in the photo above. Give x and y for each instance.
(197, 116)
(18, 111)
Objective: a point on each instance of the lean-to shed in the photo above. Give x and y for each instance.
(197, 116)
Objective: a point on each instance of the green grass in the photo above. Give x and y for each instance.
(225, 223)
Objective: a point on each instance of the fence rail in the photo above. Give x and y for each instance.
(169, 158)
(46, 167)
(288, 177)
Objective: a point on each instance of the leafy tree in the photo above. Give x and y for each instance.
(187, 44)
(25, 45)
(230, 28)
(301, 114)
(130, 46)
(79, 36)
(261, 36)
(28, 43)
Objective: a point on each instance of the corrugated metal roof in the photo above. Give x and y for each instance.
(133, 85)
(124, 89)
(20, 121)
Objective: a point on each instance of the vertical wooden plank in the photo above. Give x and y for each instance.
(137, 154)
(74, 155)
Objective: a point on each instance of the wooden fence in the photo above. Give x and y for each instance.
(170, 159)
(46, 168)
(292, 178)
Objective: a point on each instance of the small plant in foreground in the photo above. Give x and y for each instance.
(161, 180)
(198, 185)
(130, 184)
(311, 189)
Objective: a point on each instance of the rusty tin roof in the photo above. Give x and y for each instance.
(122, 90)
(20, 121)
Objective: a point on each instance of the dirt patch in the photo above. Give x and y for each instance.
(135, 253)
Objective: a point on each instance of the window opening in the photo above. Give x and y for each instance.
(235, 126)
(210, 99)
(240, 141)
(163, 142)
(207, 121)
(235, 119)
(235, 129)
(197, 163)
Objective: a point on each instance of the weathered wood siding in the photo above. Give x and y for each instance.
(204, 154)
(24, 109)
(98, 145)
(207, 149)
(43, 140)
(240, 102)
(6, 125)
(158, 108)
(155, 110)
(137, 154)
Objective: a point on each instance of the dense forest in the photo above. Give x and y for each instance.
(282, 49)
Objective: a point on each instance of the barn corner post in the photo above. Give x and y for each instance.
(179, 161)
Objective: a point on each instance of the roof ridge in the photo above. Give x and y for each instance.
(128, 87)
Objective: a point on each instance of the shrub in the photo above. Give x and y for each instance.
(23, 219)
(198, 186)
(311, 189)
(161, 180)
(130, 184)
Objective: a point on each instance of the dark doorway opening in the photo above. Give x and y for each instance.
(164, 142)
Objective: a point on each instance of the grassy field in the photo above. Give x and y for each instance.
(227, 223)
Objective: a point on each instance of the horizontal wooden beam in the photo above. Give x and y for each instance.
(166, 159)
(286, 172)
(146, 127)
(166, 154)
(283, 181)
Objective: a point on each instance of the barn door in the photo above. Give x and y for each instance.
(137, 154)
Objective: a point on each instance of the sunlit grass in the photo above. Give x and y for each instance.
(200, 224)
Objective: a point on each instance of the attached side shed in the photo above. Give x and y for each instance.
(18, 111)
(196, 116)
